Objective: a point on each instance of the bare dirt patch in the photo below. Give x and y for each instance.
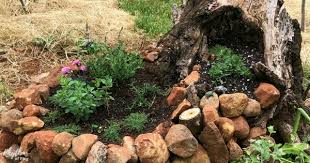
(62, 22)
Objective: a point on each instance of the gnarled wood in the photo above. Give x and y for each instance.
(264, 24)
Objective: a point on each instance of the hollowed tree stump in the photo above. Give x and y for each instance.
(264, 25)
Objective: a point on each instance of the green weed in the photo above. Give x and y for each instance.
(117, 63)
(52, 116)
(97, 128)
(112, 132)
(153, 16)
(145, 94)
(44, 42)
(227, 64)
(5, 93)
(92, 47)
(135, 121)
(70, 128)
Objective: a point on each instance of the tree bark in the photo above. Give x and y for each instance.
(263, 24)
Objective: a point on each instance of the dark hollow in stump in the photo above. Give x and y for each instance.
(264, 25)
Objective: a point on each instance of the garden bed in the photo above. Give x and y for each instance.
(119, 108)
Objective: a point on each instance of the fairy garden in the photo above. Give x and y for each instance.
(202, 94)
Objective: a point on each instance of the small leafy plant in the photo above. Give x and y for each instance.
(145, 94)
(135, 121)
(80, 98)
(52, 116)
(227, 64)
(264, 149)
(70, 128)
(112, 132)
(117, 63)
(97, 128)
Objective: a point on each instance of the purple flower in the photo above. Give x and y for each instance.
(65, 70)
(76, 62)
(83, 68)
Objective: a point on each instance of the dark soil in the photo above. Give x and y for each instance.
(243, 38)
(118, 108)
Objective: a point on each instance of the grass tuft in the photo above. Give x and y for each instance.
(153, 16)
(5, 92)
(112, 132)
(135, 121)
(70, 128)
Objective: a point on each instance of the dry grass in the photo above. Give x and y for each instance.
(293, 7)
(65, 21)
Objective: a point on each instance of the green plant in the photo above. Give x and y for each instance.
(135, 121)
(5, 92)
(45, 42)
(112, 132)
(153, 16)
(80, 98)
(97, 128)
(92, 47)
(52, 116)
(117, 63)
(227, 64)
(144, 94)
(264, 149)
(70, 128)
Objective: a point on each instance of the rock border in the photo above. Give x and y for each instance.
(212, 129)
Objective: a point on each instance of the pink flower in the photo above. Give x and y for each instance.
(65, 70)
(83, 68)
(76, 62)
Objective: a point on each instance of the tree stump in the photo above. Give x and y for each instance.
(263, 24)
(191, 118)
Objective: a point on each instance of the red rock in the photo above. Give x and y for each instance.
(163, 128)
(184, 105)
(26, 97)
(43, 89)
(7, 139)
(255, 132)
(181, 141)
(226, 127)
(192, 78)
(34, 110)
(242, 128)
(177, 94)
(197, 68)
(210, 114)
(3, 159)
(69, 157)
(62, 143)
(31, 110)
(82, 144)
(151, 148)
(28, 124)
(233, 105)
(214, 143)
(210, 100)
(38, 79)
(235, 151)
(200, 156)
(150, 56)
(97, 153)
(43, 141)
(52, 80)
(129, 144)
(267, 95)
(252, 109)
(8, 118)
(118, 154)
(28, 142)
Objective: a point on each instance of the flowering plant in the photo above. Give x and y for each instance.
(75, 67)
